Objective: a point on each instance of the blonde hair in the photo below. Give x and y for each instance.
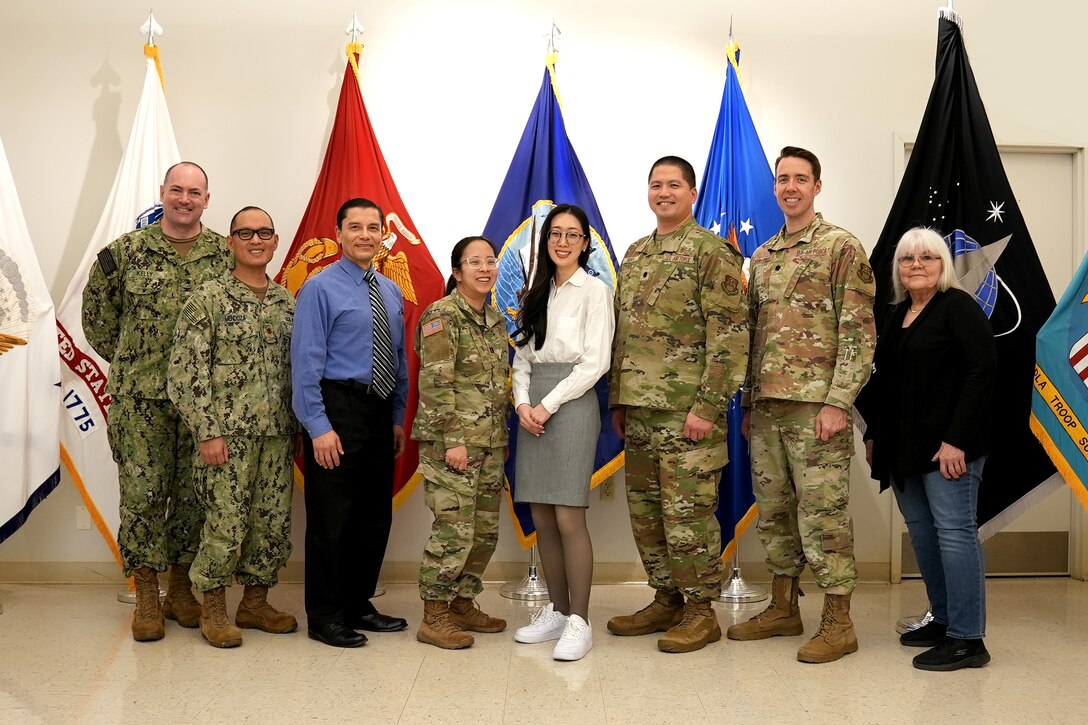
(925, 241)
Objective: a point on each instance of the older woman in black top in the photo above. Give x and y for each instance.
(926, 407)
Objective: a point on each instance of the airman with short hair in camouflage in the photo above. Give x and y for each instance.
(137, 287)
(230, 379)
(464, 401)
(679, 354)
(810, 297)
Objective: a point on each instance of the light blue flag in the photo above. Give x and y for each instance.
(545, 172)
(1059, 403)
(736, 201)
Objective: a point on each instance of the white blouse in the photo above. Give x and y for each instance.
(581, 322)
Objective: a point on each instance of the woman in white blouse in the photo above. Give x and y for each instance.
(564, 340)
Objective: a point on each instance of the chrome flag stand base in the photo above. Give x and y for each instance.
(909, 624)
(737, 591)
(532, 588)
(379, 589)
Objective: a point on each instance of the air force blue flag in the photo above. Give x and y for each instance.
(544, 172)
(736, 201)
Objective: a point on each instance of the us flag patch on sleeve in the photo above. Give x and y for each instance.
(432, 327)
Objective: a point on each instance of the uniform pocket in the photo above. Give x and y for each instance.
(145, 296)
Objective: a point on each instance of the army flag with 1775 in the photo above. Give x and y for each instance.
(545, 172)
(955, 183)
(133, 203)
(736, 201)
(355, 167)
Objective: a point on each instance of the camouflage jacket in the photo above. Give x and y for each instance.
(681, 339)
(230, 366)
(129, 312)
(810, 306)
(464, 375)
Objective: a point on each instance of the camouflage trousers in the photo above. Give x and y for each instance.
(160, 518)
(672, 494)
(802, 487)
(247, 508)
(465, 532)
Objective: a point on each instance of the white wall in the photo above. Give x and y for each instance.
(449, 85)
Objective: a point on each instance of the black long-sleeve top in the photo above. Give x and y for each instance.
(932, 382)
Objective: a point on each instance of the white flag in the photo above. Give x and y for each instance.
(133, 203)
(29, 368)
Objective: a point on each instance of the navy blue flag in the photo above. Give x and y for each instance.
(955, 183)
(736, 201)
(546, 172)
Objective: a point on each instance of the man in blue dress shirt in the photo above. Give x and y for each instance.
(350, 387)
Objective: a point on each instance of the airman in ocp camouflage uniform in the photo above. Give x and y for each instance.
(461, 423)
(136, 289)
(813, 334)
(230, 378)
(679, 353)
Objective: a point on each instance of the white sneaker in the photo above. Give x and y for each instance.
(577, 639)
(546, 624)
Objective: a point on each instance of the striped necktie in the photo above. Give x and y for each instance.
(384, 377)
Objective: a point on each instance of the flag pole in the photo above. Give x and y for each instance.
(353, 31)
(151, 29)
(532, 587)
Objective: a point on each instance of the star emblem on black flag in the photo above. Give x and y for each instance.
(996, 212)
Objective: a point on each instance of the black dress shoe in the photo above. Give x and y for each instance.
(337, 635)
(377, 622)
(930, 635)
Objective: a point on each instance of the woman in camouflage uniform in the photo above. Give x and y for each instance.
(464, 398)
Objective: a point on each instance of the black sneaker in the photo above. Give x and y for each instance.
(930, 635)
(953, 654)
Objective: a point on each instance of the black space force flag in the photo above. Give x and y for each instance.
(955, 183)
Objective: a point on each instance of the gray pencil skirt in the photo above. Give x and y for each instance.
(556, 467)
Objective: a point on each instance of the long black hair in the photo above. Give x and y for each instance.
(455, 258)
(533, 318)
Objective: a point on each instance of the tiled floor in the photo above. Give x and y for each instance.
(66, 655)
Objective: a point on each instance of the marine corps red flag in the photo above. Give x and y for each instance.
(354, 167)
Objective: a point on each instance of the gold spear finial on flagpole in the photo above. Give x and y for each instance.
(151, 28)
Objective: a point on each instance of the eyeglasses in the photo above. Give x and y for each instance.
(572, 237)
(925, 260)
(246, 234)
(481, 263)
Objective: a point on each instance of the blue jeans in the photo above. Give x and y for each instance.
(940, 516)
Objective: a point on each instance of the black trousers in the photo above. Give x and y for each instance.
(349, 509)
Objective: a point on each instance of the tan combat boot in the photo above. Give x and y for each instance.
(665, 611)
(836, 635)
(696, 630)
(782, 618)
(147, 624)
(467, 615)
(180, 605)
(254, 612)
(214, 624)
(437, 629)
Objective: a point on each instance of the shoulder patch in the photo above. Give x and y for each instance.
(731, 285)
(106, 262)
(433, 327)
(865, 272)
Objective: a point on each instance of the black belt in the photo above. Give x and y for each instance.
(353, 385)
